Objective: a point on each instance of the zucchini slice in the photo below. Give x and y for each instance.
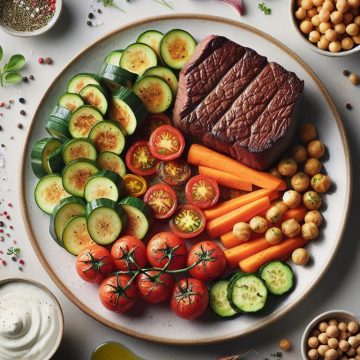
(79, 81)
(105, 220)
(108, 136)
(114, 76)
(176, 48)
(278, 277)
(139, 216)
(114, 57)
(57, 128)
(95, 95)
(82, 120)
(219, 302)
(76, 174)
(137, 58)
(75, 235)
(104, 184)
(110, 161)
(60, 112)
(49, 191)
(65, 210)
(78, 149)
(151, 38)
(56, 162)
(166, 74)
(247, 293)
(127, 109)
(40, 155)
(155, 93)
(70, 101)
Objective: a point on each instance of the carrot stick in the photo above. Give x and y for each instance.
(297, 213)
(225, 223)
(276, 252)
(229, 240)
(227, 206)
(243, 251)
(226, 179)
(202, 156)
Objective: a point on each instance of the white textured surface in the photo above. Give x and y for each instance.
(340, 287)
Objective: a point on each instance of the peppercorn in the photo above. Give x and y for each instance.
(31, 77)
(99, 11)
(20, 126)
(21, 100)
(22, 112)
(41, 60)
(25, 79)
(48, 61)
(91, 16)
(89, 23)
(348, 106)
(21, 262)
(1, 128)
(14, 258)
(1, 223)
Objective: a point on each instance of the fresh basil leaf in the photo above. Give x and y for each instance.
(12, 77)
(16, 62)
(1, 53)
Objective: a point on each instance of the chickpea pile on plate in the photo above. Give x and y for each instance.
(331, 25)
(303, 171)
(333, 339)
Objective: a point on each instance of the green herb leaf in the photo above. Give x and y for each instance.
(110, 3)
(13, 251)
(16, 62)
(12, 77)
(265, 9)
(1, 53)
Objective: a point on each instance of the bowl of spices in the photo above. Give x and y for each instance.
(31, 321)
(328, 27)
(27, 18)
(332, 335)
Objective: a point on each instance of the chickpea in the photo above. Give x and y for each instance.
(340, 28)
(292, 198)
(307, 133)
(242, 231)
(336, 17)
(348, 18)
(298, 152)
(352, 29)
(347, 43)
(332, 331)
(301, 257)
(318, 2)
(322, 349)
(321, 183)
(354, 341)
(355, 4)
(312, 200)
(331, 34)
(354, 79)
(323, 44)
(343, 6)
(258, 224)
(315, 333)
(316, 149)
(333, 322)
(333, 343)
(342, 326)
(306, 26)
(324, 26)
(351, 352)
(315, 217)
(312, 166)
(290, 228)
(313, 342)
(323, 338)
(353, 327)
(315, 20)
(300, 181)
(313, 354)
(328, 5)
(309, 231)
(323, 326)
(287, 167)
(274, 172)
(300, 13)
(358, 351)
(357, 20)
(285, 344)
(273, 235)
(356, 39)
(344, 345)
(343, 335)
(274, 214)
(282, 206)
(314, 36)
(311, 13)
(335, 46)
(331, 354)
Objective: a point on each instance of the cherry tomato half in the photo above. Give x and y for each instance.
(140, 160)
(174, 172)
(94, 263)
(162, 200)
(155, 287)
(212, 260)
(161, 246)
(117, 293)
(188, 221)
(190, 298)
(202, 191)
(166, 143)
(127, 250)
(135, 185)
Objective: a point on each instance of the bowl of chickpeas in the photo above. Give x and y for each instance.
(329, 27)
(332, 335)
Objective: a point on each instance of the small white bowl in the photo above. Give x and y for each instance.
(341, 315)
(312, 46)
(44, 29)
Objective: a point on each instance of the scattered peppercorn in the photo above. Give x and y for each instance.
(99, 11)
(12, 101)
(3, 262)
(21, 262)
(48, 61)
(2, 145)
(8, 217)
(41, 60)
(14, 258)
(89, 23)
(25, 79)
(22, 112)
(11, 227)
(1, 128)
(22, 100)
(20, 268)
(354, 79)
(91, 16)
(346, 72)
(5, 212)
(348, 106)
(1, 224)
(10, 205)
(20, 126)
(31, 77)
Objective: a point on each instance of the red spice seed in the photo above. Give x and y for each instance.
(14, 241)
(11, 227)
(10, 205)
(8, 217)
(21, 262)
(3, 262)
(41, 60)
(1, 231)
(5, 212)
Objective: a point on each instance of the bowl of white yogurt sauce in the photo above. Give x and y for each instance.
(31, 321)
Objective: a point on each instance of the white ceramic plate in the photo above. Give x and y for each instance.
(157, 323)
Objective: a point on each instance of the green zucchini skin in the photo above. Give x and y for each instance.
(79, 81)
(79, 128)
(58, 128)
(115, 77)
(60, 112)
(96, 96)
(151, 38)
(113, 58)
(70, 101)
(56, 162)
(166, 74)
(218, 299)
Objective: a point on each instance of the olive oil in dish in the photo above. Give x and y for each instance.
(113, 351)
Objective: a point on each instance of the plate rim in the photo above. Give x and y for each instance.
(159, 339)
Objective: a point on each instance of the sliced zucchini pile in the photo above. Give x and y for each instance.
(79, 81)
(78, 149)
(70, 101)
(151, 38)
(110, 161)
(57, 125)
(82, 120)
(114, 76)
(114, 57)
(95, 95)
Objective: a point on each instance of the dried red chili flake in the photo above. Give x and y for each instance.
(21, 262)
(3, 262)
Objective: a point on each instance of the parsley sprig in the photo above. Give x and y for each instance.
(13, 251)
(264, 8)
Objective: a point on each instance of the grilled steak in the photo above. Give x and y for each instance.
(233, 100)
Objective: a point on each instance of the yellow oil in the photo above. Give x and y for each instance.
(113, 351)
